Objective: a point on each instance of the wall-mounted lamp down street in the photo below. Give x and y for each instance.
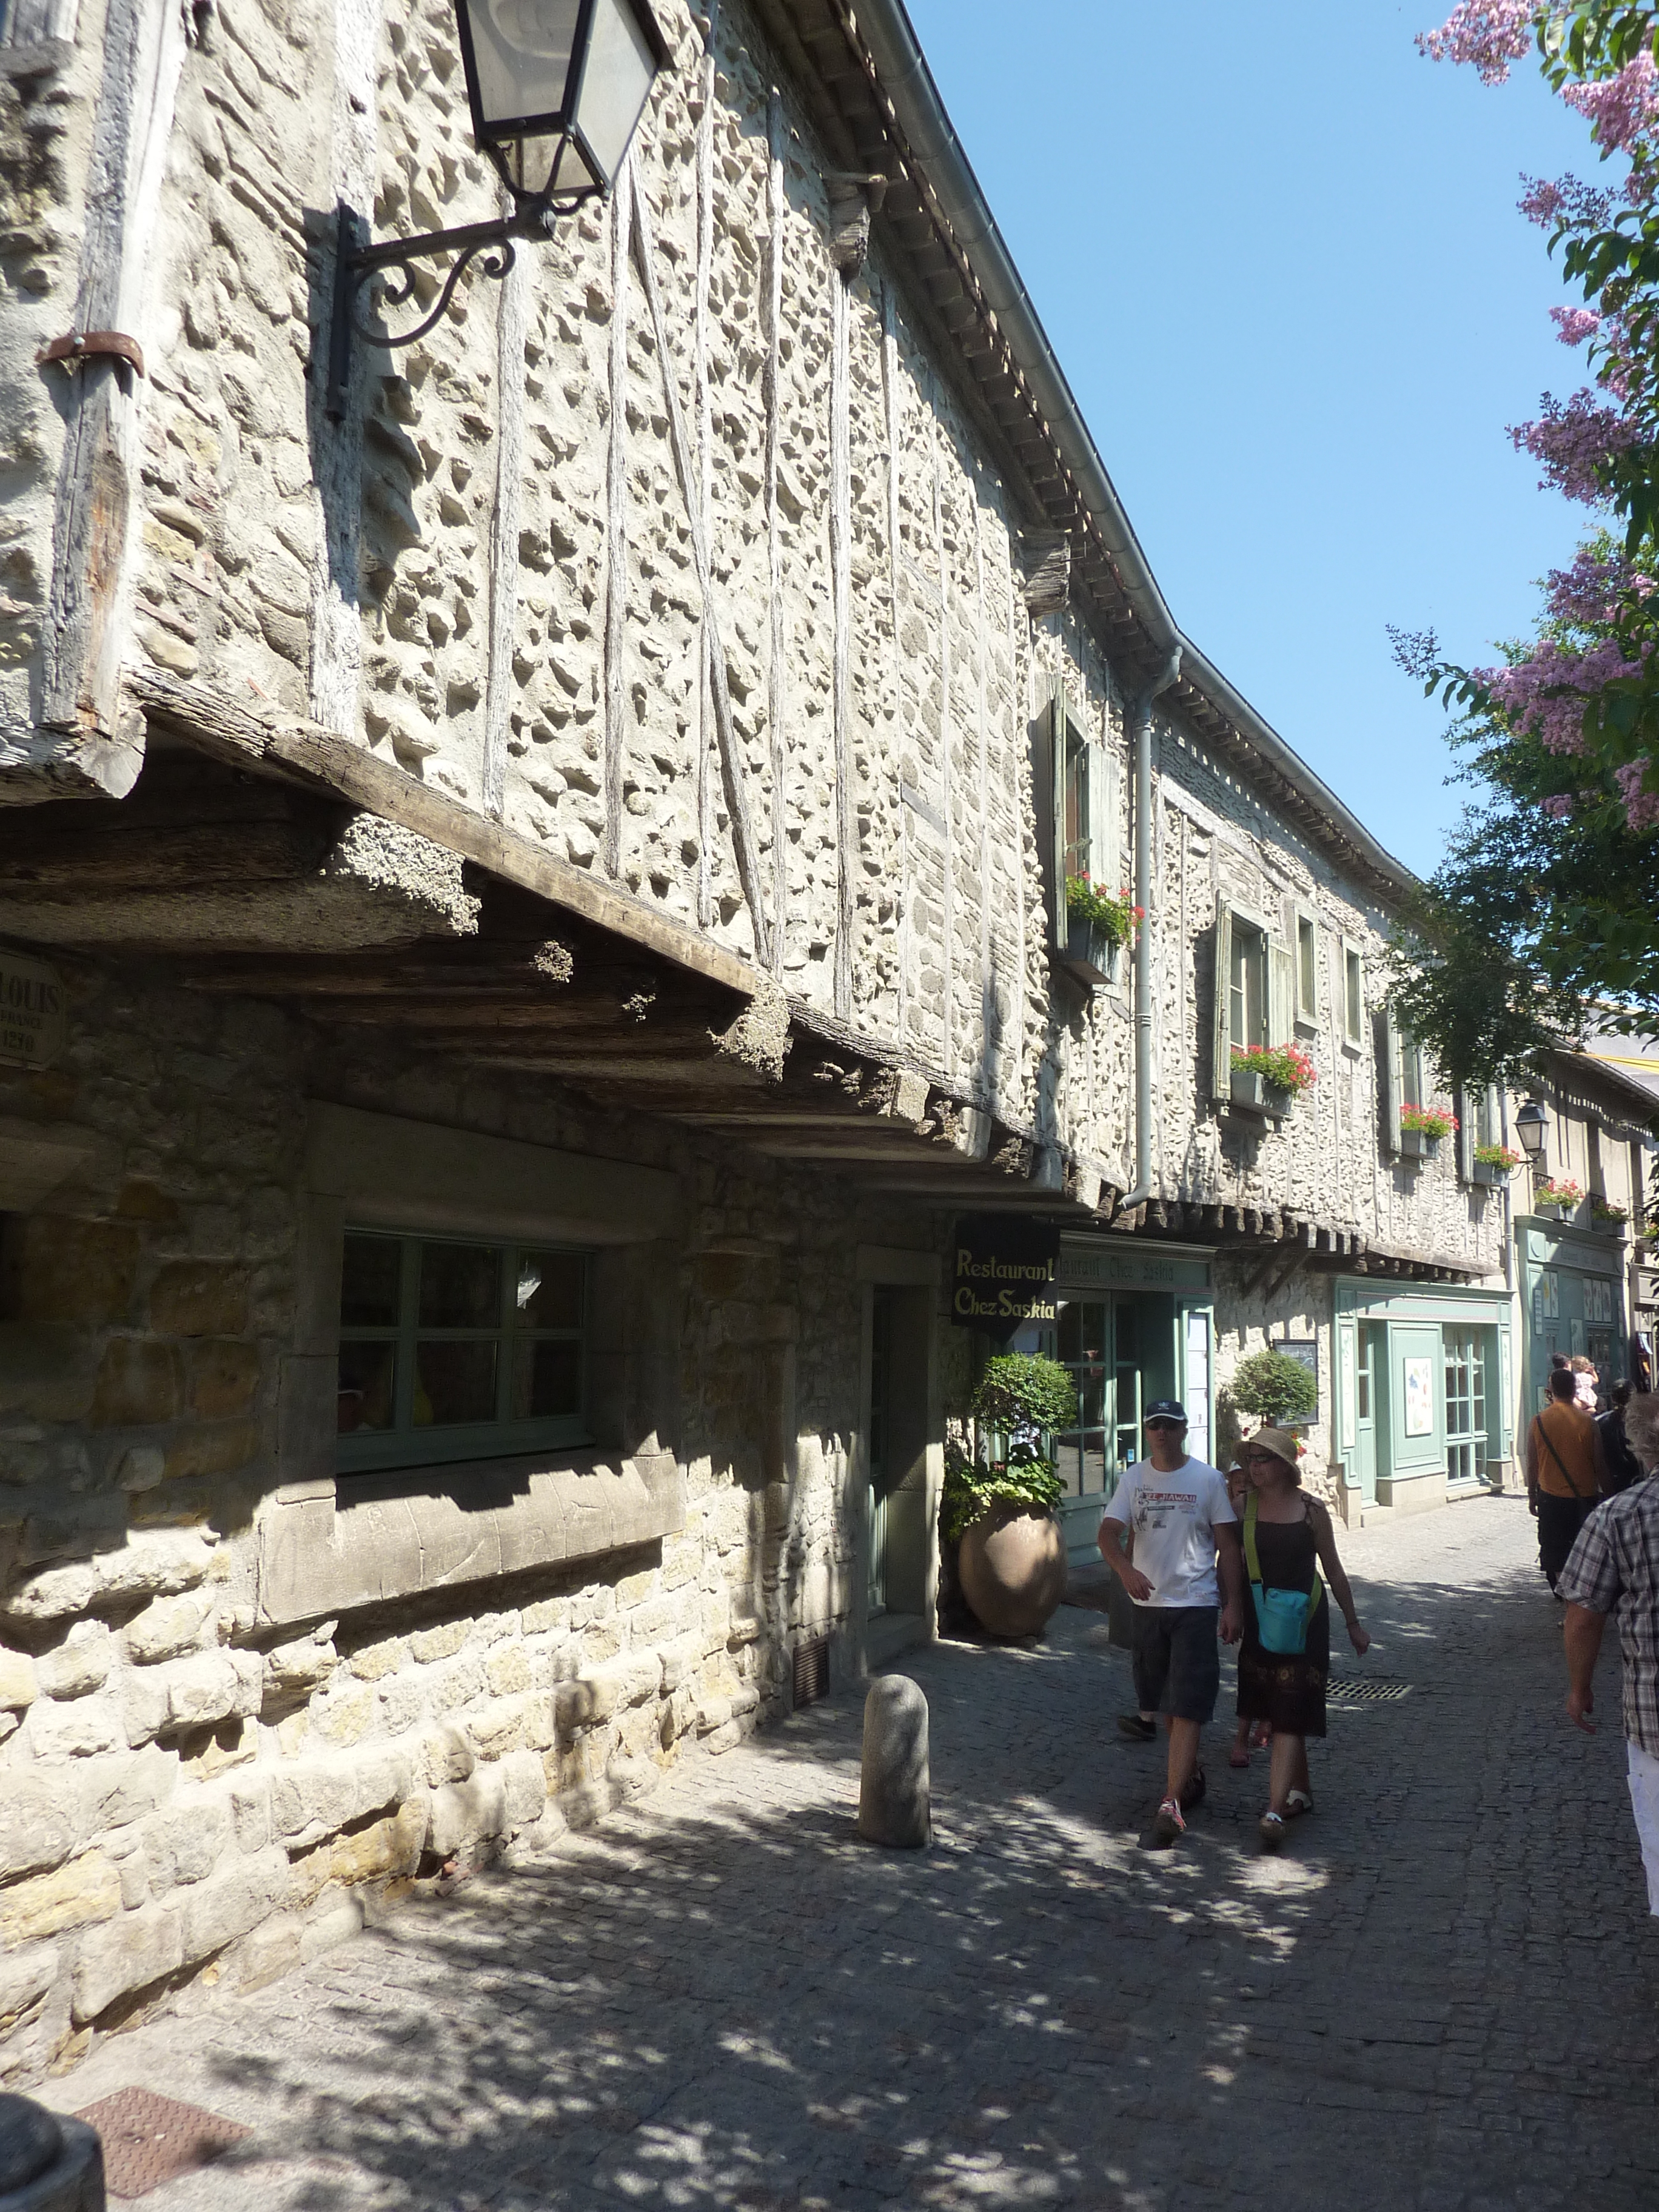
(1532, 1126)
(578, 72)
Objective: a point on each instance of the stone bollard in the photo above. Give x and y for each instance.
(47, 2163)
(893, 1805)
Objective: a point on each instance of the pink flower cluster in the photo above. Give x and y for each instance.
(1587, 595)
(1573, 438)
(1574, 324)
(1641, 807)
(1557, 805)
(1546, 693)
(1620, 108)
(1490, 36)
(1567, 200)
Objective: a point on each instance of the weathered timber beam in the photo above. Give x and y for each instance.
(316, 756)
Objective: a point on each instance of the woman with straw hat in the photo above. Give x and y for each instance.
(1285, 1653)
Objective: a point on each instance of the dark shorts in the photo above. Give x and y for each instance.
(1177, 1661)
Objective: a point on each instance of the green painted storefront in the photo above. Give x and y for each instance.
(1572, 1300)
(1424, 1389)
(1136, 1322)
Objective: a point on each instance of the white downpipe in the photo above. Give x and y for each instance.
(1142, 715)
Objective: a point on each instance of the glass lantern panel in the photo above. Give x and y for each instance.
(615, 83)
(520, 54)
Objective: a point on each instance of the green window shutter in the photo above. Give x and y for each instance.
(1390, 1057)
(1281, 992)
(1221, 1070)
(1463, 1105)
(1057, 720)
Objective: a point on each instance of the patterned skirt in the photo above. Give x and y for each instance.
(1287, 1688)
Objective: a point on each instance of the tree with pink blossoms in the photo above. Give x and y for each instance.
(1546, 909)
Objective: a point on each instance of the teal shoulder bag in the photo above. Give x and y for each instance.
(1283, 1617)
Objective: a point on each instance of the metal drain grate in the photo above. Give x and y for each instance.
(811, 1671)
(1367, 1689)
(149, 2139)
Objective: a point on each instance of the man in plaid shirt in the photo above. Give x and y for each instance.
(1615, 1567)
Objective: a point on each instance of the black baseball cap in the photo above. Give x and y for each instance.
(1165, 1409)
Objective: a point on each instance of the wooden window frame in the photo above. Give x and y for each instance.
(406, 1444)
(1278, 990)
(1307, 1004)
(1069, 734)
(1353, 1017)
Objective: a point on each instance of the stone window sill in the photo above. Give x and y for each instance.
(326, 1548)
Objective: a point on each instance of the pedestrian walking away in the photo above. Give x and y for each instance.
(1621, 1465)
(1615, 1568)
(1285, 1655)
(1566, 1472)
(1179, 1512)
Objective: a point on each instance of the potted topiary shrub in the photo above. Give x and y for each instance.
(1424, 1128)
(1266, 1079)
(1000, 1501)
(1098, 927)
(1495, 1164)
(1276, 1389)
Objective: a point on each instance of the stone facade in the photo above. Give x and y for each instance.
(670, 599)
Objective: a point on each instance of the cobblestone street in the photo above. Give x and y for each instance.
(1442, 1995)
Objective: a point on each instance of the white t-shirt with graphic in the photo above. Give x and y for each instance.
(1173, 1519)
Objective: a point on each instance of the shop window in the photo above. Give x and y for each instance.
(1307, 971)
(1465, 1404)
(1098, 1341)
(1353, 996)
(1084, 779)
(453, 1350)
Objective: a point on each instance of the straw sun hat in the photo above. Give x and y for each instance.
(1281, 1444)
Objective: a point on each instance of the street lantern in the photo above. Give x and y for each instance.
(1532, 1126)
(579, 72)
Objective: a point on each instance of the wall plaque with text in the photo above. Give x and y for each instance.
(32, 1010)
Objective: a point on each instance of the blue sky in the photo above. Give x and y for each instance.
(1278, 255)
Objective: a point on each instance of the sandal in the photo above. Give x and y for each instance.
(1262, 1735)
(1272, 1827)
(1238, 1756)
(1298, 1803)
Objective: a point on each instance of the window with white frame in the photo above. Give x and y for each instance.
(1083, 777)
(1353, 996)
(1307, 969)
(1247, 1020)
(1465, 1403)
(458, 1348)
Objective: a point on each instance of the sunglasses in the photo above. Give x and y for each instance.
(1257, 1459)
(1160, 1423)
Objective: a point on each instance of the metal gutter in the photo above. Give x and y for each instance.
(901, 67)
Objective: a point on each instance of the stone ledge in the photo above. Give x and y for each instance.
(382, 1537)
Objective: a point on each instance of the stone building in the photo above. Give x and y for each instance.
(531, 914)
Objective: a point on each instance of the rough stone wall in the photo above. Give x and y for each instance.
(186, 1795)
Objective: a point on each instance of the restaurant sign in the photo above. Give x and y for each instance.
(1003, 1271)
(32, 1010)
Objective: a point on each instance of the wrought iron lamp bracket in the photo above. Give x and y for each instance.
(358, 260)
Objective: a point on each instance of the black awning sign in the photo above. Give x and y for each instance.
(1003, 1271)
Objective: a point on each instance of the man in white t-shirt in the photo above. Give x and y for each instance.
(1182, 1517)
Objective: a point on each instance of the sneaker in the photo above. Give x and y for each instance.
(1192, 1794)
(1167, 1824)
(1137, 1731)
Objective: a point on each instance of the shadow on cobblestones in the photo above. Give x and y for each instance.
(1441, 1997)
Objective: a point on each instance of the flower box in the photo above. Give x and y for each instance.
(1419, 1145)
(1488, 1172)
(1257, 1095)
(1092, 952)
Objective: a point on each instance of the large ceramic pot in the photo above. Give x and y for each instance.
(1012, 1568)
